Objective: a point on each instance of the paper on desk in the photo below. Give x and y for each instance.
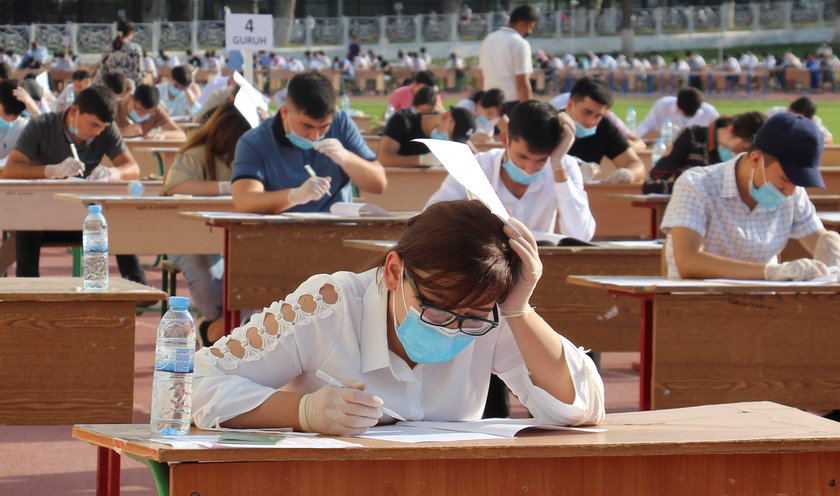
(358, 209)
(832, 278)
(460, 163)
(202, 441)
(406, 434)
(633, 244)
(424, 432)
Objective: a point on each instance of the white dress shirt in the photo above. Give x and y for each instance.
(706, 200)
(543, 200)
(9, 137)
(666, 108)
(503, 55)
(348, 341)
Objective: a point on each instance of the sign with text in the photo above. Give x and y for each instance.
(249, 32)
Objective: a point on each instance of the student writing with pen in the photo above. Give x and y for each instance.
(419, 334)
(45, 150)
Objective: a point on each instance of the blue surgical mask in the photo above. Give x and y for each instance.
(767, 195)
(176, 92)
(484, 121)
(725, 154)
(439, 135)
(136, 118)
(301, 142)
(519, 175)
(5, 125)
(425, 343)
(683, 119)
(412, 110)
(26, 113)
(584, 132)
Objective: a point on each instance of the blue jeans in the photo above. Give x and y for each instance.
(204, 279)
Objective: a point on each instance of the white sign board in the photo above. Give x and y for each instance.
(249, 32)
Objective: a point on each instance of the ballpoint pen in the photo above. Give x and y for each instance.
(332, 381)
(310, 170)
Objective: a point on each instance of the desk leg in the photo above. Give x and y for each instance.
(107, 472)
(7, 252)
(230, 318)
(646, 359)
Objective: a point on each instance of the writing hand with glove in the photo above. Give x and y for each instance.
(620, 176)
(68, 167)
(802, 269)
(312, 189)
(104, 173)
(523, 244)
(339, 412)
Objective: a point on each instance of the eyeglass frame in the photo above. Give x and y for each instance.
(455, 316)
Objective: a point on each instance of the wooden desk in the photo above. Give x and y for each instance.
(704, 342)
(831, 220)
(616, 220)
(28, 205)
(374, 76)
(150, 225)
(269, 256)
(141, 150)
(163, 155)
(373, 141)
(589, 318)
(67, 354)
(409, 188)
(830, 156)
(363, 122)
(831, 176)
(738, 449)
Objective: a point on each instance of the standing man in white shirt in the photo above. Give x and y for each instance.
(685, 109)
(505, 56)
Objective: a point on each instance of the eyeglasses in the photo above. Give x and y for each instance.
(472, 326)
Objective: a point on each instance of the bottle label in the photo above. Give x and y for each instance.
(174, 359)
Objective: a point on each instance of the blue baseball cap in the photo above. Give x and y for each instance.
(797, 143)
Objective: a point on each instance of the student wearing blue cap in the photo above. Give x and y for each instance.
(732, 219)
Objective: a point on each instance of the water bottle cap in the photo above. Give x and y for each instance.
(659, 141)
(179, 301)
(95, 209)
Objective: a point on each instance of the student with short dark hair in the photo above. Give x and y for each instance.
(699, 146)
(81, 80)
(11, 121)
(421, 120)
(117, 83)
(532, 175)
(805, 107)
(179, 94)
(6, 71)
(268, 170)
(685, 109)
(452, 295)
(597, 137)
(733, 219)
(488, 107)
(141, 113)
(44, 151)
(402, 97)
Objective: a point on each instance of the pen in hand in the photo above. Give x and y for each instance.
(332, 381)
(76, 156)
(310, 170)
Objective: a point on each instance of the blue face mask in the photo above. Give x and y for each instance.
(519, 175)
(484, 121)
(26, 113)
(176, 92)
(425, 343)
(5, 125)
(301, 142)
(725, 154)
(136, 118)
(768, 196)
(683, 119)
(439, 135)
(584, 132)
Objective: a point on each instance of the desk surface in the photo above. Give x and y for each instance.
(88, 199)
(601, 248)
(70, 289)
(229, 218)
(761, 427)
(658, 285)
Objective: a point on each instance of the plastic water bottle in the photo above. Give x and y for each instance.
(667, 132)
(659, 150)
(389, 112)
(95, 248)
(174, 359)
(134, 188)
(345, 103)
(631, 119)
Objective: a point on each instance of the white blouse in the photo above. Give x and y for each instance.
(347, 339)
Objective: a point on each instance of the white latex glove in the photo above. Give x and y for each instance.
(339, 412)
(312, 189)
(104, 173)
(620, 176)
(428, 160)
(588, 170)
(333, 149)
(224, 187)
(802, 269)
(66, 168)
(827, 249)
(523, 243)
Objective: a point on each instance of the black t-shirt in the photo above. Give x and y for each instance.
(607, 140)
(403, 127)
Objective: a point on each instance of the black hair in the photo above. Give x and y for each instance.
(124, 28)
(524, 13)
(464, 124)
(11, 105)
(59, 53)
(538, 124)
(425, 77)
(181, 75)
(745, 125)
(6, 70)
(594, 89)
(803, 106)
(147, 95)
(493, 97)
(99, 101)
(312, 93)
(689, 100)
(114, 81)
(80, 74)
(427, 95)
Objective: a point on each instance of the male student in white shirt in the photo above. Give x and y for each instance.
(532, 175)
(686, 109)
